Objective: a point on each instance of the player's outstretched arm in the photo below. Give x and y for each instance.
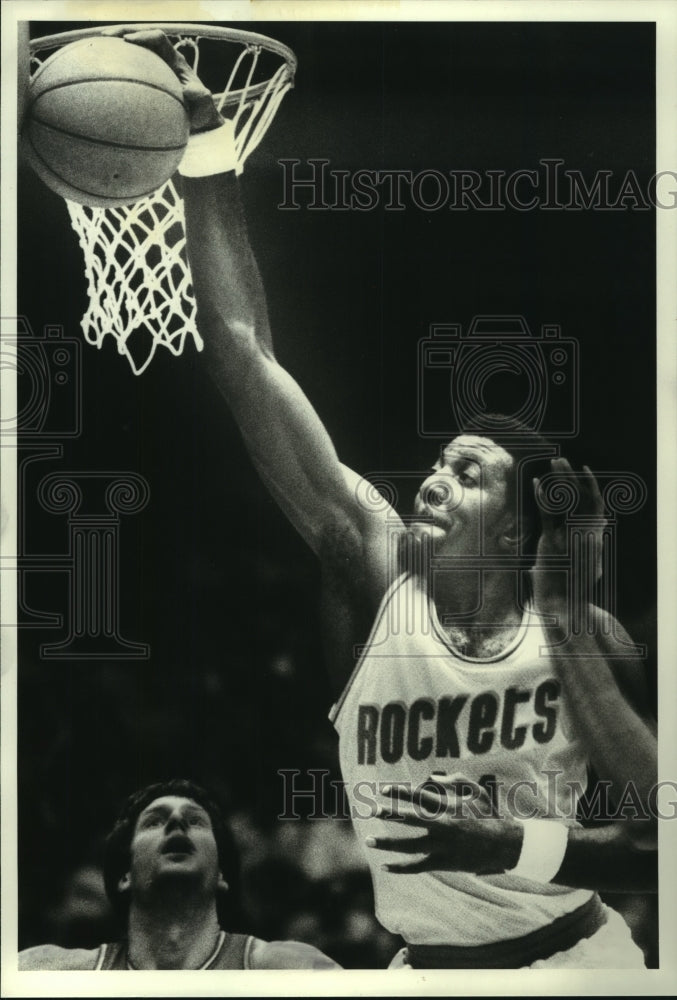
(605, 688)
(444, 831)
(284, 435)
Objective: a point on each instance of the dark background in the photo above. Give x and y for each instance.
(211, 576)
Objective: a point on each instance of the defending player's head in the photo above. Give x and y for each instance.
(168, 834)
(480, 499)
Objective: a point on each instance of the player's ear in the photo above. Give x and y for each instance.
(124, 883)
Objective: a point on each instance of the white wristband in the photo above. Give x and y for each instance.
(543, 848)
(211, 152)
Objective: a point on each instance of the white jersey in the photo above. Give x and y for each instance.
(415, 705)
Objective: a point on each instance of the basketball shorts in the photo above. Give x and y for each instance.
(610, 947)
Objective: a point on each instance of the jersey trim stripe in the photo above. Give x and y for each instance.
(214, 955)
(205, 965)
(249, 944)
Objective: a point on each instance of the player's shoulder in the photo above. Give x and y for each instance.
(608, 630)
(600, 616)
(51, 957)
(612, 635)
(288, 955)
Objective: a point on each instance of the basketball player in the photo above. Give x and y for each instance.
(165, 869)
(474, 681)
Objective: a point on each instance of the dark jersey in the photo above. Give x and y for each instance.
(232, 952)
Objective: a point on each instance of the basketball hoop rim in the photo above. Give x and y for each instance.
(137, 273)
(219, 33)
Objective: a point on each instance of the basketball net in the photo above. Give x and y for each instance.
(138, 277)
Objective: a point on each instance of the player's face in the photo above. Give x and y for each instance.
(173, 838)
(463, 505)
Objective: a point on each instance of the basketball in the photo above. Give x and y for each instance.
(105, 123)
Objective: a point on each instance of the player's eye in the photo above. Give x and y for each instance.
(153, 820)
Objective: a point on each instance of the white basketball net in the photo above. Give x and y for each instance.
(138, 279)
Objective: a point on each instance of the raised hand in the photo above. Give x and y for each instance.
(457, 831)
(198, 98)
(550, 582)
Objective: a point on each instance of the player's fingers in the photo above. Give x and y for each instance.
(404, 845)
(150, 38)
(430, 807)
(457, 782)
(593, 490)
(194, 91)
(410, 867)
(466, 798)
(435, 802)
(421, 798)
(400, 813)
(401, 792)
(561, 466)
(547, 519)
(439, 782)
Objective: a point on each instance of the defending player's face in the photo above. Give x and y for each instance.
(173, 839)
(463, 505)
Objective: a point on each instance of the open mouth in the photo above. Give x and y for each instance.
(178, 843)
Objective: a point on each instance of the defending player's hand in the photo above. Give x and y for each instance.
(199, 101)
(550, 581)
(457, 831)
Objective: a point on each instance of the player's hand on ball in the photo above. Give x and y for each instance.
(550, 582)
(199, 102)
(457, 829)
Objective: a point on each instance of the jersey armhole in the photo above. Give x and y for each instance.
(335, 709)
(248, 948)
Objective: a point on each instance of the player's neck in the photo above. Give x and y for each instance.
(162, 937)
(480, 611)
